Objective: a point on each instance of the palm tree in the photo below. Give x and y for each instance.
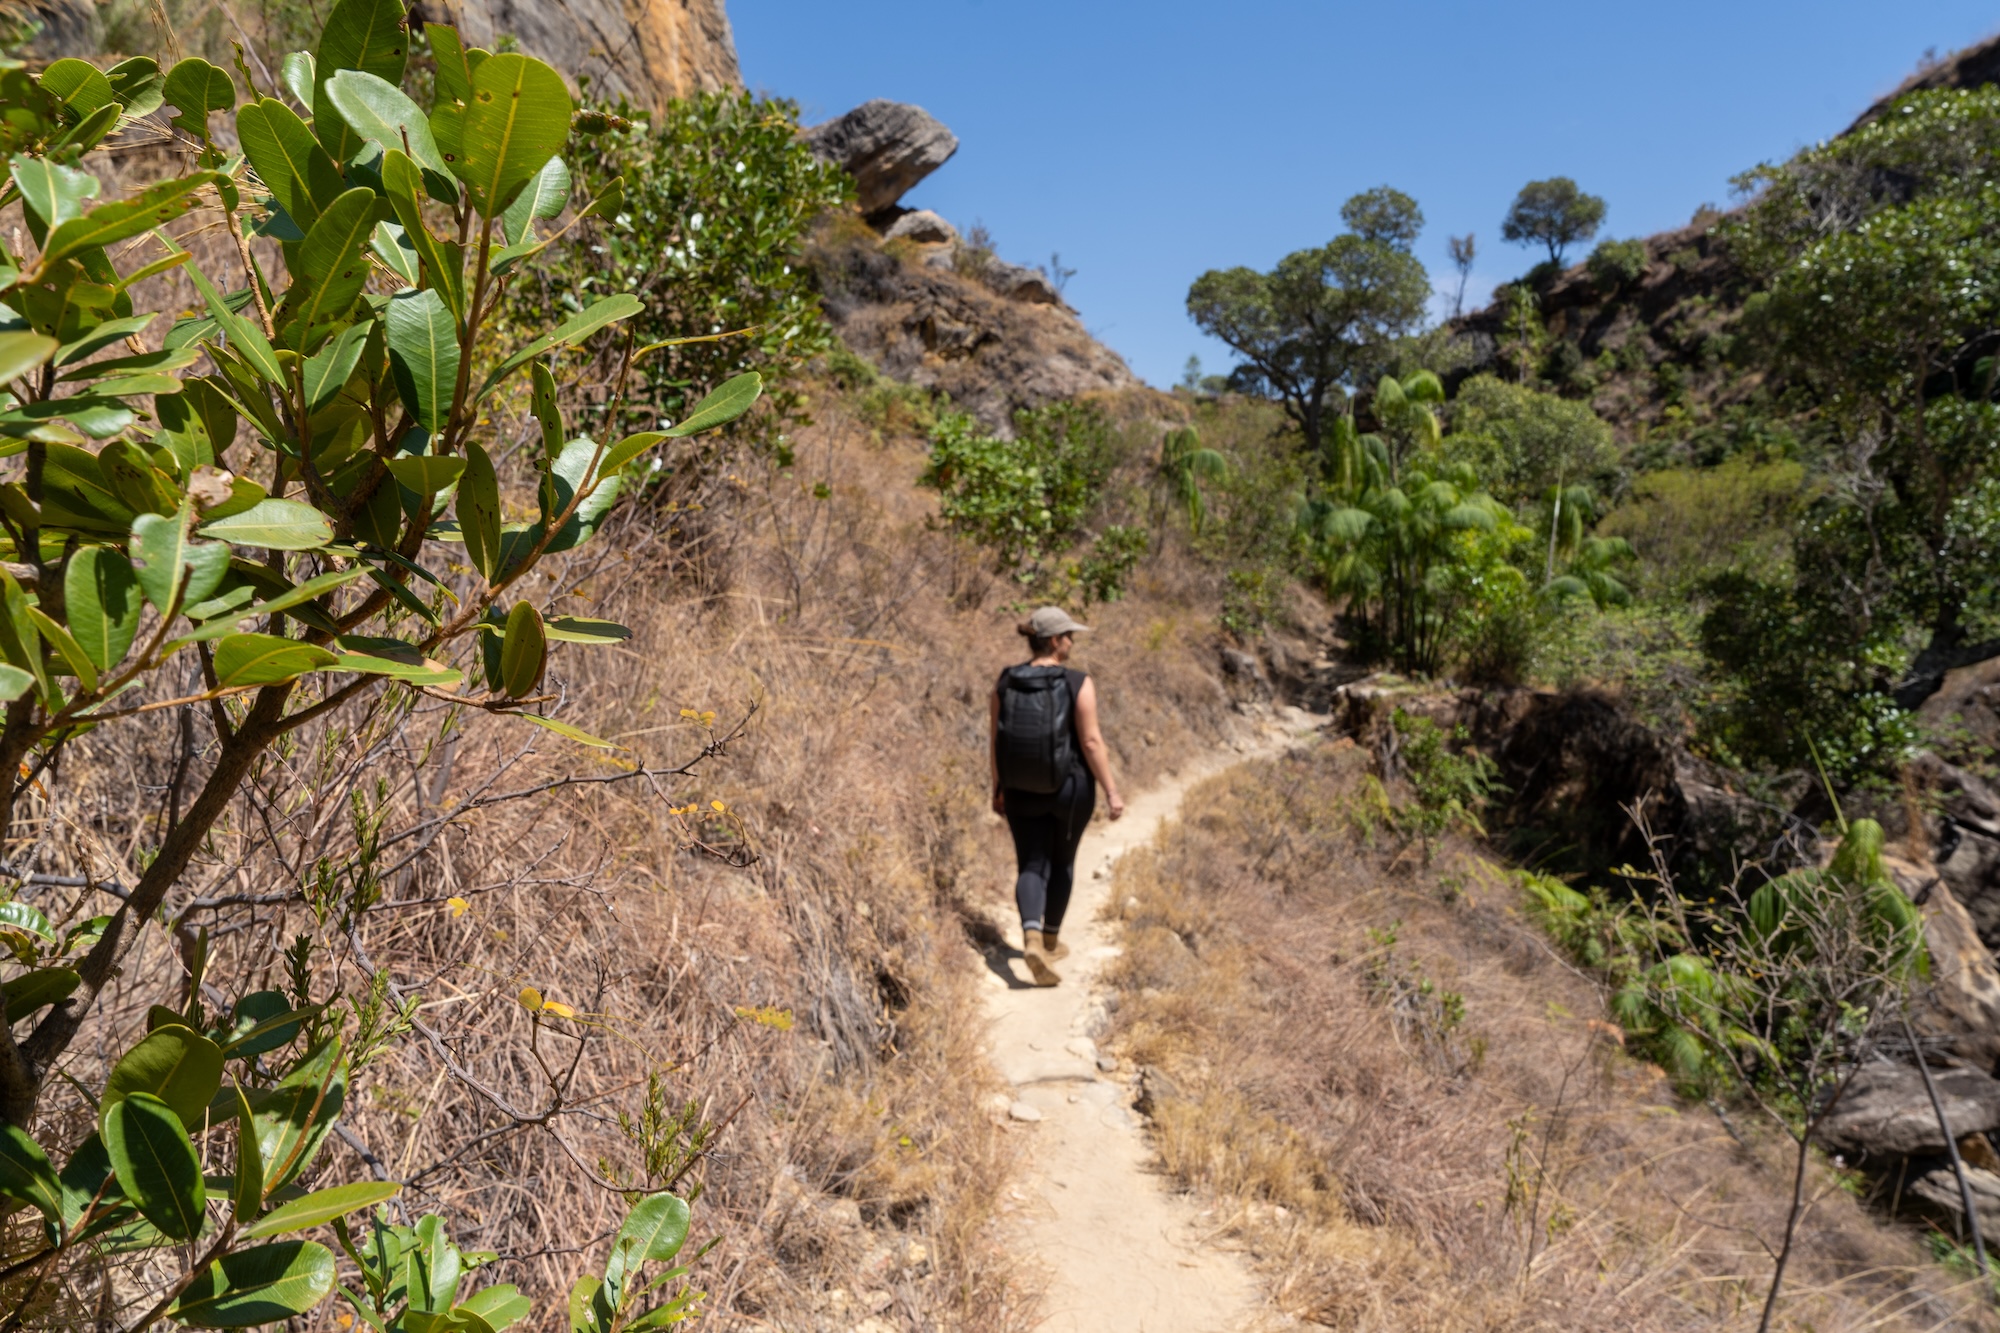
(1407, 409)
(1183, 466)
(1388, 547)
(1568, 512)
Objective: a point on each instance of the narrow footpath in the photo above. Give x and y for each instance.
(1122, 1253)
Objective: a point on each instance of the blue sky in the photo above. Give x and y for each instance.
(1149, 142)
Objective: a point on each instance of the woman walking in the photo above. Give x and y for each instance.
(1049, 758)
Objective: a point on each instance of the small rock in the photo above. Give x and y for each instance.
(1024, 1112)
(1083, 1048)
(1154, 1088)
(875, 1302)
(845, 1214)
(923, 226)
(1021, 284)
(916, 1254)
(998, 1103)
(1107, 1064)
(1131, 903)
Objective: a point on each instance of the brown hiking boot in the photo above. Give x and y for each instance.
(1053, 947)
(1037, 959)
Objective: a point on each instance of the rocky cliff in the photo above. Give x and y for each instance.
(647, 50)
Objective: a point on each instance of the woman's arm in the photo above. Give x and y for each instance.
(993, 752)
(1095, 752)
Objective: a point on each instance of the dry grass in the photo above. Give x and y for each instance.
(1392, 1160)
(854, 1172)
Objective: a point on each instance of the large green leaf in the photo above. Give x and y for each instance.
(27, 1175)
(263, 1021)
(580, 629)
(443, 262)
(515, 121)
(294, 1118)
(247, 1189)
(454, 62)
(479, 512)
(51, 194)
(138, 85)
(21, 352)
(322, 1206)
(424, 355)
(245, 338)
(654, 1231)
(176, 1064)
(729, 401)
(126, 218)
(499, 1305)
(570, 475)
(426, 474)
(572, 330)
(160, 545)
(103, 601)
(198, 89)
(37, 989)
(156, 1164)
(291, 163)
(66, 646)
(327, 373)
(375, 656)
(262, 1285)
(275, 525)
(79, 85)
(367, 35)
(524, 651)
(332, 270)
(543, 197)
(265, 659)
(377, 109)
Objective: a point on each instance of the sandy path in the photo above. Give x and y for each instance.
(1122, 1254)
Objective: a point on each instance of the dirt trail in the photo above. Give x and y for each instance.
(1123, 1255)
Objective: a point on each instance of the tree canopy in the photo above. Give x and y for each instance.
(1555, 213)
(1322, 321)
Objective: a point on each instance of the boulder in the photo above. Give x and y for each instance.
(1937, 1189)
(886, 146)
(651, 53)
(922, 226)
(1017, 283)
(1886, 1111)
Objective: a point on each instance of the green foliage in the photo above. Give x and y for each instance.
(1100, 575)
(293, 457)
(1448, 788)
(1613, 264)
(1553, 213)
(718, 193)
(1026, 499)
(1323, 322)
(1524, 441)
(1881, 310)
(1183, 466)
(1688, 525)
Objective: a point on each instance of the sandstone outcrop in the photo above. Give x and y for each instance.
(886, 146)
(922, 226)
(648, 50)
(1886, 1109)
(936, 320)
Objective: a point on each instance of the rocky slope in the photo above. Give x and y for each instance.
(647, 50)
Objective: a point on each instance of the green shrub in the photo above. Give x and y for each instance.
(1615, 263)
(1025, 499)
(1100, 575)
(1523, 441)
(302, 482)
(718, 194)
(1448, 788)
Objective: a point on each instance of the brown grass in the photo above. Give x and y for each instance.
(1389, 1164)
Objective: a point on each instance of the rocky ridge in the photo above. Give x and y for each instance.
(927, 306)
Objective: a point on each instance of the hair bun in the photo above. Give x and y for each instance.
(1024, 629)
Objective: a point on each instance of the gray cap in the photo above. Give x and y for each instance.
(1050, 621)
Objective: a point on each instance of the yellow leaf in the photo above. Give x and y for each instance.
(720, 808)
(531, 999)
(559, 1010)
(457, 905)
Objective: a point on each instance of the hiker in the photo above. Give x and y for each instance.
(1047, 750)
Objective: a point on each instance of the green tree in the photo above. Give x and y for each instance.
(1322, 322)
(1553, 213)
(1524, 440)
(1882, 310)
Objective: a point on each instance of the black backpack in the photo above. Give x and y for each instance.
(1036, 748)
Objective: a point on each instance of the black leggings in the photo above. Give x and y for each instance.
(1047, 829)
